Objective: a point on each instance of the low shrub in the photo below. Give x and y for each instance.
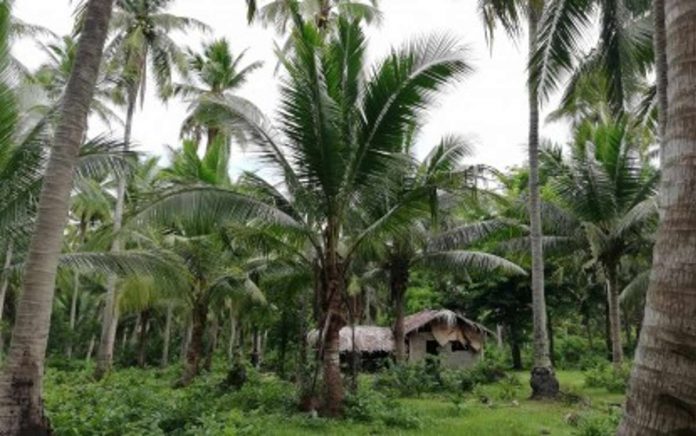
(429, 377)
(608, 377)
(372, 406)
(597, 424)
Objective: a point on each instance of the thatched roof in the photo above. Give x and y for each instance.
(368, 339)
(425, 317)
(373, 339)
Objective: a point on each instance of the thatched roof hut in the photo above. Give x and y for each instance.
(368, 339)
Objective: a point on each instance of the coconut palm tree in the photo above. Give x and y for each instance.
(610, 191)
(141, 46)
(53, 76)
(340, 138)
(623, 55)
(21, 380)
(217, 73)
(510, 15)
(425, 244)
(279, 13)
(663, 404)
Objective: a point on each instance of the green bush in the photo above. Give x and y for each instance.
(429, 377)
(599, 424)
(372, 406)
(607, 377)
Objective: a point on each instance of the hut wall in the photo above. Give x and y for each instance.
(418, 350)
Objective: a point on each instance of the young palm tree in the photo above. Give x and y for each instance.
(509, 14)
(340, 138)
(141, 44)
(623, 55)
(610, 191)
(21, 380)
(424, 245)
(279, 13)
(218, 74)
(662, 392)
(53, 76)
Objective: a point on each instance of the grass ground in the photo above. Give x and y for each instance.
(142, 402)
(516, 416)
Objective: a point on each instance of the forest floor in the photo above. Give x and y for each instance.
(142, 402)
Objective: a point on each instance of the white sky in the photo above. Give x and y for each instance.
(490, 106)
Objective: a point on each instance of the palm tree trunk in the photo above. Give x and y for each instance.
(332, 404)
(167, 336)
(76, 293)
(212, 344)
(233, 335)
(662, 391)
(90, 348)
(105, 355)
(4, 284)
(614, 315)
(73, 314)
(142, 337)
(543, 378)
(194, 352)
(398, 280)
(21, 408)
(660, 45)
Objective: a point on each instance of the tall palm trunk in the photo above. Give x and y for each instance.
(4, 284)
(21, 407)
(543, 379)
(333, 287)
(105, 355)
(142, 337)
(398, 281)
(662, 391)
(75, 295)
(167, 335)
(614, 315)
(661, 80)
(194, 352)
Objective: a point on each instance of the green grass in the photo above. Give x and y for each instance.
(136, 402)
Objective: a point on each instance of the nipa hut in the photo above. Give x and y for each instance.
(457, 341)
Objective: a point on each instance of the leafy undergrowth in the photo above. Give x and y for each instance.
(142, 402)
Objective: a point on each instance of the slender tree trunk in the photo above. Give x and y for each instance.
(398, 280)
(105, 355)
(142, 337)
(212, 344)
(90, 348)
(255, 348)
(614, 315)
(543, 378)
(334, 311)
(233, 335)
(661, 80)
(662, 392)
(186, 340)
(167, 336)
(21, 407)
(73, 314)
(4, 284)
(76, 292)
(192, 365)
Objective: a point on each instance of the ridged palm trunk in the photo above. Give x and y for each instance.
(4, 284)
(107, 341)
(75, 295)
(167, 336)
(333, 308)
(398, 282)
(661, 79)
(543, 379)
(662, 392)
(21, 406)
(142, 337)
(194, 351)
(614, 314)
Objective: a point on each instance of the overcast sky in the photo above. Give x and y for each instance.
(490, 106)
